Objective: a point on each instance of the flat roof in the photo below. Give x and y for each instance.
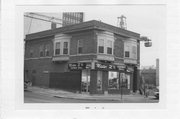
(89, 25)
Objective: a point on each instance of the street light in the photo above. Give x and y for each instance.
(147, 41)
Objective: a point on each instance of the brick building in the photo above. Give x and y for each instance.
(87, 57)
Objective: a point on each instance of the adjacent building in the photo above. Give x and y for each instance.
(91, 57)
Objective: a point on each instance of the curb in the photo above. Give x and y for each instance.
(95, 99)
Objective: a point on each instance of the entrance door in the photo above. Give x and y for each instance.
(85, 80)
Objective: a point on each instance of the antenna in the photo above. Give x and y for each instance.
(122, 22)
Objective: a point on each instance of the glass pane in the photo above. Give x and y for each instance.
(65, 44)
(113, 80)
(57, 51)
(109, 50)
(101, 42)
(126, 53)
(109, 44)
(101, 49)
(58, 45)
(85, 80)
(99, 80)
(65, 51)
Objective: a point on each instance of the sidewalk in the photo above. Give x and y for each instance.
(109, 97)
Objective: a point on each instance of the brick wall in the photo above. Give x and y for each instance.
(70, 81)
(88, 40)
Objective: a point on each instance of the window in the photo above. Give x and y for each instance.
(41, 52)
(47, 48)
(126, 53)
(80, 46)
(109, 47)
(134, 52)
(125, 80)
(57, 48)
(101, 46)
(65, 48)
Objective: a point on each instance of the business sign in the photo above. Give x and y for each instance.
(104, 66)
(79, 66)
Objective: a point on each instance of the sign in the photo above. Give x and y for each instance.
(79, 66)
(101, 66)
(104, 66)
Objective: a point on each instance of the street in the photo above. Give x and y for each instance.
(31, 97)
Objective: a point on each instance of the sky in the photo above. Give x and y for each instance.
(147, 20)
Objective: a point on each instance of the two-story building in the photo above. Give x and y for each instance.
(87, 57)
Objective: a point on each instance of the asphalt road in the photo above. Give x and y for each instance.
(30, 97)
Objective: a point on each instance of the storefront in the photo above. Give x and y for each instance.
(104, 78)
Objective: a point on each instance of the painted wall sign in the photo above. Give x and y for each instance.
(104, 66)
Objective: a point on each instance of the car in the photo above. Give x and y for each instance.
(156, 92)
(26, 84)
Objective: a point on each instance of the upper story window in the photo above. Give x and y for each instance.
(109, 47)
(47, 48)
(134, 52)
(105, 42)
(101, 46)
(61, 44)
(130, 49)
(127, 51)
(41, 52)
(105, 46)
(57, 48)
(65, 48)
(127, 54)
(80, 46)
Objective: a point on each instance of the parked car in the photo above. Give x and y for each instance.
(156, 92)
(26, 84)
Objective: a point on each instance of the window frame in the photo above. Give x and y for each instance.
(61, 39)
(41, 50)
(79, 46)
(67, 48)
(109, 47)
(105, 46)
(101, 46)
(56, 48)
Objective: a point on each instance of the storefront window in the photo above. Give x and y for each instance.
(99, 80)
(125, 80)
(113, 80)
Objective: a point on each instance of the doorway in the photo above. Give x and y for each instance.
(85, 80)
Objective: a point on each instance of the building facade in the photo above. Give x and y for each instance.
(89, 57)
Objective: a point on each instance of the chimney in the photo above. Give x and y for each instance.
(53, 25)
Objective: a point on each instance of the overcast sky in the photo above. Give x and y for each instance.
(147, 20)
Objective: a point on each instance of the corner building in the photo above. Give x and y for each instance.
(90, 57)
